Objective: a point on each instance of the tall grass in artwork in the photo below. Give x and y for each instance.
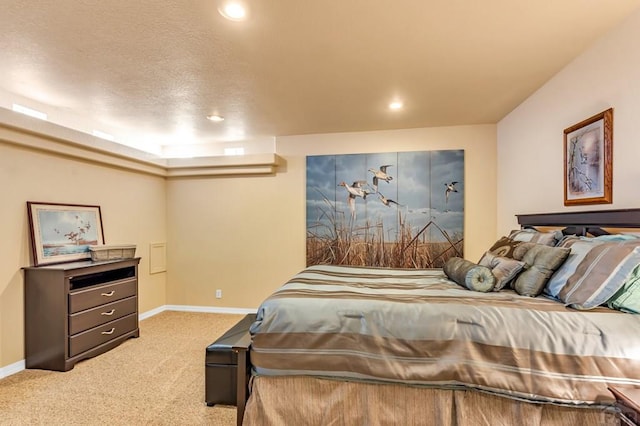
(408, 225)
(340, 242)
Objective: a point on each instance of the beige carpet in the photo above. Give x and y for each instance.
(156, 379)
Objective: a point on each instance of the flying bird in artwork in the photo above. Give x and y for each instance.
(355, 190)
(451, 187)
(388, 201)
(380, 175)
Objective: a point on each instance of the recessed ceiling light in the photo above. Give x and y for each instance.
(215, 118)
(395, 105)
(234, 151)
(29, 111)
(233, 11)
(103, 135)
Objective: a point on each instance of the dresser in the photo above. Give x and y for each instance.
(78, 310)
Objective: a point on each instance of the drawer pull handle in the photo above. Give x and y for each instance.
(111, 312)
(110, 331)
(111, 293)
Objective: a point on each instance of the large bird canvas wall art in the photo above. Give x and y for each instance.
(396, 209)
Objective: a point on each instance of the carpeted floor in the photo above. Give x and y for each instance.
(156, 379)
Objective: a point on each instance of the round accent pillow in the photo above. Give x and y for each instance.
(469, 275)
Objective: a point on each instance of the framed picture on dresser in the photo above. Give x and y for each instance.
(63, 232)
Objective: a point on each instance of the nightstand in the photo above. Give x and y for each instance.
(628, 401)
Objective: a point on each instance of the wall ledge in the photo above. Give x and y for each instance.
(43, 136)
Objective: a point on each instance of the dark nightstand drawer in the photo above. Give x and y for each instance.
(90, 318)
(96, 296)
(96, 336)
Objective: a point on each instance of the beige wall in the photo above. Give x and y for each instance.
(133, 211)
(530, 139)
(246, 235)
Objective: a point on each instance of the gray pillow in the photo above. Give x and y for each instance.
(469, 275)
(540, 263)
(503, 268)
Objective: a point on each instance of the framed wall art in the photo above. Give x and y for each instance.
(388, 209)
(588, 161)
(63, 232)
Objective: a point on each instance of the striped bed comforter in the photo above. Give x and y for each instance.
(417, 327)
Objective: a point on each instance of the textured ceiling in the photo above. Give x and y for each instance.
(153, 70)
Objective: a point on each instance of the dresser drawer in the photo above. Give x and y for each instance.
(96, 296)
(96, 336)
(90, 318)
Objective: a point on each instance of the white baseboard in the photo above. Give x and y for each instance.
(10, 369)
(17, 367)
(209, 309)
(152, 312)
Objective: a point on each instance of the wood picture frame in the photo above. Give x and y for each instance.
(588, 161)
(62, 233)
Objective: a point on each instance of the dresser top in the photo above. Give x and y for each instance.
(80, 265)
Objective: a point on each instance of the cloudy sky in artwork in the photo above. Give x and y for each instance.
(418, 184)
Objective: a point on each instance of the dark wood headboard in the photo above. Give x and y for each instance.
(583, 223)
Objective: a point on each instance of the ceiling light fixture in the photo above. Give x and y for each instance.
(215, 118)
(30, 112)
(395, 105)
(233, 11)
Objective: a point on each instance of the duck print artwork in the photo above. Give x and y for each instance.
(400, 209)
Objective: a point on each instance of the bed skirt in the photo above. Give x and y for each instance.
(304, 400)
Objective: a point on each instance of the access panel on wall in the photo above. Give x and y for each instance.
(400, 209)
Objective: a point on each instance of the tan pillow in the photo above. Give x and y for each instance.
(504, 247)
(503, 268)
(521, 250)
(540, 263)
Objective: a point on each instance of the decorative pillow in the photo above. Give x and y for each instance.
(504, 247)
(522, 249)
(533, 236)
(503, 268)
(579, 246)
(600, 274)
(469, 275)
(541, 261)
(616, 237)
(627, 299)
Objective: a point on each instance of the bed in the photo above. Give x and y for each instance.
(366, 346)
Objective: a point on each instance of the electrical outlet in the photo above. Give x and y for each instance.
(218, 294)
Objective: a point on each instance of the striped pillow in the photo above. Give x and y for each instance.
(533, 236)
(601, 272)
(579, 246)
